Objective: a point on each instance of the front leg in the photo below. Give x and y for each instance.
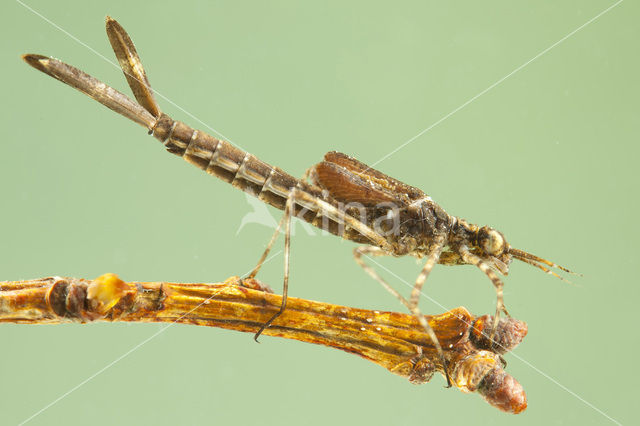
(475, 260)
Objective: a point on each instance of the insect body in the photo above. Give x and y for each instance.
(421, 227)
(340, 194)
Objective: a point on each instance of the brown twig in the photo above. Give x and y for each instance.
(395, 341)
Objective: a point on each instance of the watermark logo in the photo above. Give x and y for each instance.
(262, 216)
(383, 218)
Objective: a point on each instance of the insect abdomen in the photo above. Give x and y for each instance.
(225, 161)
(242, 170)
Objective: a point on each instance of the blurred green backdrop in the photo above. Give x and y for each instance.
(547, 156)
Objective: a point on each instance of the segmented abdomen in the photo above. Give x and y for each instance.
(244, 171)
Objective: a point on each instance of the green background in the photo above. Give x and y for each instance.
(547, 156)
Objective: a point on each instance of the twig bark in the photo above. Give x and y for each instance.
(395, 341)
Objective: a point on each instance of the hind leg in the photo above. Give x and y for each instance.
(286, 218)
(255, 270)
(301, 198)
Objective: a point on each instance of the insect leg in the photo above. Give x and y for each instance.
(475, 260)
(376, 251)
(340, 216)
(253, 273)
(286, 218)
(432, 259)
(301, 198)
(413, 307)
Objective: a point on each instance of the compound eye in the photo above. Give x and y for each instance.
(491, 241)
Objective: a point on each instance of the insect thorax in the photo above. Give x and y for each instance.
(412, 230)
